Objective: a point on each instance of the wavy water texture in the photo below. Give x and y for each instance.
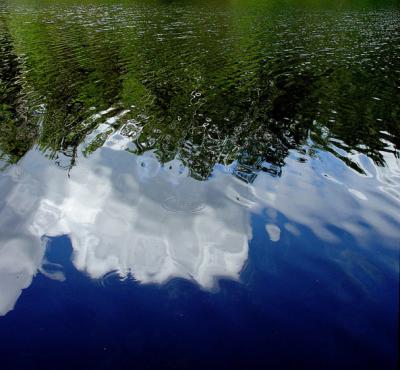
(284, 112)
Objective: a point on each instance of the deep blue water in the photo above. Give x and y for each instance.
(281, 316)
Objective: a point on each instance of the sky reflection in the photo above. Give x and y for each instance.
(130, 215)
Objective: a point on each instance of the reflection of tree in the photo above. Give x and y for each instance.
(69, 83)
(207, 89)
(17, 133)
(356, 117)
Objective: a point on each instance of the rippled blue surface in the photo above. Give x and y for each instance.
(318, 282)
(243, 213)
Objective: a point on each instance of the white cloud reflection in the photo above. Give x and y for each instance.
(128, 214)
(124, 214)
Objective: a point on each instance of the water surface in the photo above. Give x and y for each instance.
(210, 184)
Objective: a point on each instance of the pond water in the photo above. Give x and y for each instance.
(199, 184)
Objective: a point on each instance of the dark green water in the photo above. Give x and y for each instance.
(207, 82)
(199, 184)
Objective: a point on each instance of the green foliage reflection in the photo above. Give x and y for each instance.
(207, 84)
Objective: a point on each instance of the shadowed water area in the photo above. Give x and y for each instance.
(199, 184)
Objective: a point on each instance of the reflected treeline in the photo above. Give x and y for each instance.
(203, 86)
(17, 129)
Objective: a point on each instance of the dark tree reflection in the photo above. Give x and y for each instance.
(206, 87)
